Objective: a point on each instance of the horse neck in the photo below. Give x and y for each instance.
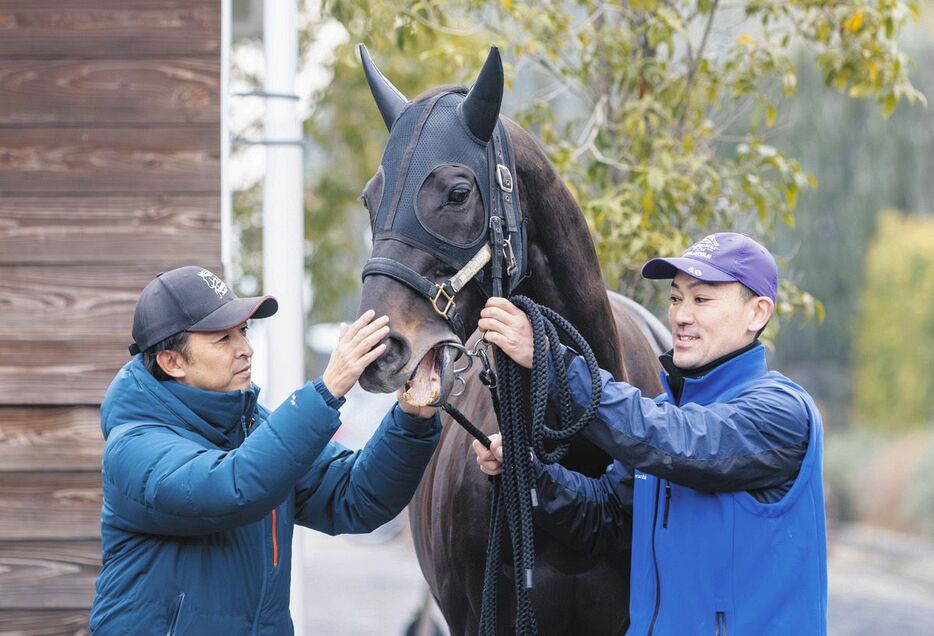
(564, 271)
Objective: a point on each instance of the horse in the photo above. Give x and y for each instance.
(451, 164)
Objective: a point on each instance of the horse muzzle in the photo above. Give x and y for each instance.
(427, 379)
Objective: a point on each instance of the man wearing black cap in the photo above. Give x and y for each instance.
(717, 482)
(202, 485)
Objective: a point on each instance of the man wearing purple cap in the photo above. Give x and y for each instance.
(716, 484)
(202, 486)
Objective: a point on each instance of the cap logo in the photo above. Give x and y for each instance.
(696, 273)
(220, 287)
(703, 247)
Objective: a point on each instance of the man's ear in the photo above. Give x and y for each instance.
(763, 309)
(171, 363)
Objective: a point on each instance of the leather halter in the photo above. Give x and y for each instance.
(504, 241)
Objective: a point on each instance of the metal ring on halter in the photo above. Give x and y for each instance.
(463, 384)
(479, 348)
(458, 346)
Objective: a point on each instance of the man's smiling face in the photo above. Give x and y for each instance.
(710, 320)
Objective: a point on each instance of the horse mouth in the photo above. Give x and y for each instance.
(433, 376)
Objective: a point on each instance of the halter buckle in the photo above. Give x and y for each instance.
(448, 301)
(503, 178)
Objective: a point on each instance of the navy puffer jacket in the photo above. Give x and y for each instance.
(201, 491)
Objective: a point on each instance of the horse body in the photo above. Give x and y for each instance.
(450, 513)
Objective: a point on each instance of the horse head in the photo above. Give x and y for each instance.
(431, 202)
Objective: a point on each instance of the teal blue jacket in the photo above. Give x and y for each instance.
(201, 491)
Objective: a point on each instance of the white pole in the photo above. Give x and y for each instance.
(283, 233)
(226, 203)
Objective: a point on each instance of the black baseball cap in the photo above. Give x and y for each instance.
(191, 298)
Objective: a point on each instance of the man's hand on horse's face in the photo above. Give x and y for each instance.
(360, 344)
(490, 459)
(507, 327)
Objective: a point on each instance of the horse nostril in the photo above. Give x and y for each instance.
(395, 357)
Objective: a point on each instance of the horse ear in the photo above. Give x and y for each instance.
(480, 108)
(388, 98)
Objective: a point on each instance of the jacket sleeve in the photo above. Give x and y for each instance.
(755, 440)
(159, 482)
(356, 492)
(592, 516)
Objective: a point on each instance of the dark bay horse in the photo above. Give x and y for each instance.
(430, 206)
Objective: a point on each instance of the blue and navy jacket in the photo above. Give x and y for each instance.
(710, 553)
(201, 491)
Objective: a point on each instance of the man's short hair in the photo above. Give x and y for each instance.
(177, 342)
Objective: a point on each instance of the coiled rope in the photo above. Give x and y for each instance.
(520, 401)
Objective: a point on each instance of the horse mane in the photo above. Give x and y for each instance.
(562, 257)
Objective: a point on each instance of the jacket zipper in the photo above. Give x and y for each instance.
(275, 542)
(178, 612)
(667, 503)
(658, 582)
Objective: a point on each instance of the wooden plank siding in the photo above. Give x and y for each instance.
(50, 505)
(99, 29)
(44, 622)
(120, 230)
(109, 174)
(167, 91)
(45, 439)
(48, 574)
(77, 161)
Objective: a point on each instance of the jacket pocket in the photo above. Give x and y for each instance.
(721, 624)
(173, 626)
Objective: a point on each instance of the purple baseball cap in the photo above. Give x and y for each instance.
(722, 258)
(194, 299)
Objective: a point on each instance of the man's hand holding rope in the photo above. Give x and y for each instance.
(507, 327)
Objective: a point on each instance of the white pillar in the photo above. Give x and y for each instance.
(283, 233)
(226, 202)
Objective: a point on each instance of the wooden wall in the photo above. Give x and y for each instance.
(109, 173)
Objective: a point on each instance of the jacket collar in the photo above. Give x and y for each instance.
(704, 385)
(227, 412)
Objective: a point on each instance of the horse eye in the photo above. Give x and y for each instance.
(458, 195)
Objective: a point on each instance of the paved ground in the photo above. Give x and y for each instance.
(881, 583)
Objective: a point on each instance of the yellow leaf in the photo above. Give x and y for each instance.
(791, 197)
(746, 40)
(648, 201)
(770, 115)
(890, 103)
(854, 21)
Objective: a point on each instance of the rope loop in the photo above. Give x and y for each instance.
(520, 400)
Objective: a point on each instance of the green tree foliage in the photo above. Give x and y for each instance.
(657, 114)
(864, 163)
(894, 383)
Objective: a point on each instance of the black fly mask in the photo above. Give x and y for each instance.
(453, 128)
